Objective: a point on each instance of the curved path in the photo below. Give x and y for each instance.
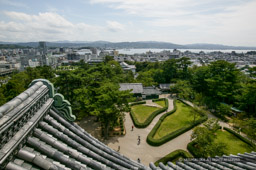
(129, 143)
(147, 153)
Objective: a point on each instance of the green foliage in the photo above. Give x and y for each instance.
(95, 90)
(241, 137)
(108, 58)
(234, 142)
(218, 82)
(149, 118)
(146, 78)
(161, 103)
(247, 98)
(183, 89)
(136, 103)
(20, 81)
(173, 156)
(156, 142)
(223, 110)
(110, 104)
(247, 126)
(204, 140)
(252, 72)
(2, 97)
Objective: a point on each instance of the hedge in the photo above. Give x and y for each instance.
(240, 137)
(173, 155)
(136, 103)
(150, 118)
(191, 148)
(170, 136)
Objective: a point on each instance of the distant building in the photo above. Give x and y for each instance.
(137, 88)
(33, 63)
(73, 56)
(165, 87)
(150, 93)
(42, 47)
(127, 67)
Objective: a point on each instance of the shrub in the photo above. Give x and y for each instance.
(240, 137)
(191, 148)
(136, 103)
(174, 155)
(170, 136)
(150, 118)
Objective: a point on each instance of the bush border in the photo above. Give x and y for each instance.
(172, 135)
(192, 149)
(151, 117)
(240, 137)
(173, 155)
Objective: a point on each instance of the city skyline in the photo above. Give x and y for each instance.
(175, 21)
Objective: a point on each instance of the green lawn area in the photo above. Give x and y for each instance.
(142, 112)
(161, 103)
(234, 144)
(183, 116)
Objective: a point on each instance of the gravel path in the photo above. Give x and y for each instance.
(129, 143)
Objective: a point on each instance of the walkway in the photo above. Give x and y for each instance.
(129, 143)
(210, 115)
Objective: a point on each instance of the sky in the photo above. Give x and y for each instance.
(228, 22)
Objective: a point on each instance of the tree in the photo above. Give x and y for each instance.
(247, 99)
(252, 72)
(108, 58)
(223, 81)
(199, 75)
(212, 125)
(146, 78)
(110, 104)
(170, 70)
(2, 97)
(223, 110)
(250, 128)
(183, 89)
(183, 64)
(204, 139)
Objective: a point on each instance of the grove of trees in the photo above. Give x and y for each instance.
(93, 89)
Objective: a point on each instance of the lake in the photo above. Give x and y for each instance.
(144, 50)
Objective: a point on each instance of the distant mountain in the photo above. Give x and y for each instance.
(138, 44)
(217, 47)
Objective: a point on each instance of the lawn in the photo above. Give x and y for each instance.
(161, 103)
(234, 144)
(183, 116)
(142, 112)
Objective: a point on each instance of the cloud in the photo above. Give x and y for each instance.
(115, 26)
(12, 3)
(45, 26)
(191, 21)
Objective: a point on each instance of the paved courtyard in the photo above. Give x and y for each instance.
(147, 153)
(129, 143)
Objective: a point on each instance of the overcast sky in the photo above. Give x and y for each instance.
(229, 22)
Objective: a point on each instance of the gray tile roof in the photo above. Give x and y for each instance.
(165, 86)
(135, 87)
(34, 135)
(151, 91)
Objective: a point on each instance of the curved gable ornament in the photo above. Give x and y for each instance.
(62, 105)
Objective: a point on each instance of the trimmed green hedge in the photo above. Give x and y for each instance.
(170, 136)
(150, 118)
(136, 103)
(173, 155)
(240, 137)
(191, 146)
(192, 149)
